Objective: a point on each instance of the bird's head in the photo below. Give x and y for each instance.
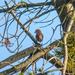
(37, 31)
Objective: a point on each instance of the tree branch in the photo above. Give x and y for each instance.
(16, 57)
(70, 24)
(23, 5)
(28, 62)
(35, 57)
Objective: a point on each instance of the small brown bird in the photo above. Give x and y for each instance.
(6, 42)
(39, 35)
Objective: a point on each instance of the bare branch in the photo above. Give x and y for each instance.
(70, 24)
(16, 57)
(35, 57)
(23, 5)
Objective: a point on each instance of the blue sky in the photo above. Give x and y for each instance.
(47, 31)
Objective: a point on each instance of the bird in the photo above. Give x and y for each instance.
(6, 42)
(39, 38)
(39, 35)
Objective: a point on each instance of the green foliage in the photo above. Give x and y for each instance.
(71, 52)
(59, 53)
(31, 73)
(22, 0)
(21, 73)
(40, 69)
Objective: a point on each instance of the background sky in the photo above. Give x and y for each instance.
(47, 32)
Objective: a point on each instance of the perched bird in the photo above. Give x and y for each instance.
(6, 42)
(39, 35)
(39, 38)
